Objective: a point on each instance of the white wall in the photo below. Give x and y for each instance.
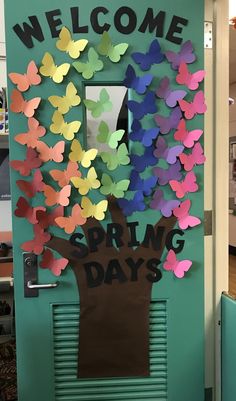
(232, 132)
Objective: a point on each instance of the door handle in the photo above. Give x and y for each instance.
(33, 286)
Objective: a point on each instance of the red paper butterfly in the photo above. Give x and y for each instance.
(24, 167)
(55, 265)
(36, 245)
(48, 219)
(30, 188)
(25, 210)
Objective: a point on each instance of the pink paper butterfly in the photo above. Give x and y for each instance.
(182, 214)
(185, 77)
(55, 265)
(187, 185)
(187, 137)
(195, 158)
(179, 267)
(197, 106)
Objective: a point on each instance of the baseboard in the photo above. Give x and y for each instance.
(232, 250)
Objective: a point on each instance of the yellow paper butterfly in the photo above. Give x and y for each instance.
(49, 69)
(93, 210)
(66, 44)
(79, 155)
(60, 126)
(85, 184)
(64, 103)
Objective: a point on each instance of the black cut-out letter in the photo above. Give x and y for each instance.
(54, 23)
(114, 272)
(175, 28)
(97, 27)
(170, 238)
(95, 236)
(94, 274)
(82, 249)
(75, 21)
(132, 20)
(152, 266)
(28, 32)
(134, 266)
(114, 232)
(151, 23)
(154, 238)
(133, 239)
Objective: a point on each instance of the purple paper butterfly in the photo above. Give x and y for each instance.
(165, 175)
(133, 205)
(166, 207)
(153, 56)
(185, 55)
(166, 124)
(147, 106)
(139, 134)
(141, 162)
(139, 84)
(139, 184)
(171, 97)
(162, 151)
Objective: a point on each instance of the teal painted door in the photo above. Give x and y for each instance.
(47, 326)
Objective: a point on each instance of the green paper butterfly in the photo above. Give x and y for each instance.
(106, 48)
(103, 104)
(92, 66)
(113, 160)
(108, 137)
(109, 187)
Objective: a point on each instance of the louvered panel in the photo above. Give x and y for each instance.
(69, 388)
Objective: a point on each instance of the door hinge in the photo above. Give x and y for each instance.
(208, 36)
(207, 222)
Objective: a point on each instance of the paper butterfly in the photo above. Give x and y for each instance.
(24, 167)
(114, 53)
(85, 184)
(153, 56)
(179, 267)
(30, 188)
(144, 136)
(110, 138)
(77, 154)
(147, 106)
(182, 214)
(187, 137)
(50, 69)
(109, 187)
(197, 106)
(31, 137)
(162, 151)
(185, 55)
(139, 84)
(165, 175)
(195, 158)
(139, 184)
(60, 126)
(171, 97)
(141, 162)
(63, 177)
(72, 47)
(64, 103)
(70, 223)
(36, 245)
(185, 77)
(20, 105)
(102, 105)
(187, 185)
(57, 198)
(25, 210)
(93, 210)
(48, 219)
(24, 81)
(166, 207)
(55, 265)
(113, 160)
(132, 205)
(166, 124)
(92, 66)
(54, 153)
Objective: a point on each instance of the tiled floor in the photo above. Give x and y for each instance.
(232, 275)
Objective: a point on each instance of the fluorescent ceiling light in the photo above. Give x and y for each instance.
(232, 9)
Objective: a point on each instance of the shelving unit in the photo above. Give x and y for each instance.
(7, 321)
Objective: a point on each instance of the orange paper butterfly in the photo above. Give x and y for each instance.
(54, 153)
(31, 137)
(57, 198)
(72, 222)
(63, 177)
(20, 105)
(24, 81)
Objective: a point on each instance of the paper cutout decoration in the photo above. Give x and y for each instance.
(63, 177)
(139, 184)
(90, 209)
(185, 77)
(165, 175)
(185, 55)
(93, 65)
(55, 265)
(166, 207)
(20, 105)
(184, 219)
(139, 84)
(24, 167)
(192, 159)
(70, 223)
(51, 70)
(100, 106)
(169, 154)
(179, 267)
(109, 187)
(84, 185)
(113, 160)
(46, 219)
(48, 153)
(171, 97)
(36, 245)
(57, 198)
(197, 106)
(144, 136)
(30, 188)
(187, 137)
(65, 103)
(166, 124)
(153, 56)
(24, 81)
(24, 210)
(72, 47)
(140, 163)
(187, 185)
(31, 137)
(146, 106)
(132, 205)
(61, 127)
(106, 48)
(110, 138)
(77, 154)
